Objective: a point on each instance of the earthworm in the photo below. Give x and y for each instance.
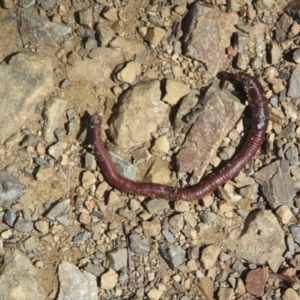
(259, 123)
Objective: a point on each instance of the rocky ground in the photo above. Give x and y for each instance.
(157, 71)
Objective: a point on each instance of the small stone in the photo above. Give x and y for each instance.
(118, 258)
(130, 72)
(294, 84)
(290, 294)
(242, 61)
(125, 168)
(30, 243)
(175, 90)
(152, 228)
(176, 222)
(56, 209)
(295, 230)
(56, 150)
(90, 43)
(94, 269)
(111, 14)
(44, 173)
(109, 280)
(10, 189)
(284, 214)
(189, 232)
(161, 145)
(256, 280)
(181, 206)
(240, 41)
(59, 134)
(225, 293)
(155, 206)
(23, 225)
(64, 83)
(53, 111)
(88, 178)
(296, 56)
(81, 237)
(209, 256)
(39, 264)
(86, 17)
(206, 286)
(114, 199)
(42, 226)
(172, 254)
(154, 294)
(84, 218)
(154, 36)
(10, 217)
(138, 245)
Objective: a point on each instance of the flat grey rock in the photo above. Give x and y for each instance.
(74, 284)
(18, 277)
(24, 82)
(10, 188)
(39, 30)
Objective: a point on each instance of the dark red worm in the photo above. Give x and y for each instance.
(260, 117)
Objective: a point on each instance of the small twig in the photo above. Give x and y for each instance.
(294, 38)
(129, 261)
(97, 215)
(72, 196)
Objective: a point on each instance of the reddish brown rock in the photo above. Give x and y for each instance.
(207, 131)
(256, 280)
(207, 35)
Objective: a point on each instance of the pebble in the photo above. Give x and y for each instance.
(42, 226)
(30, 244)
(130, 72)
(56, 150)
(172, 254)
(114, 199)
(155, 206)
(10, 217)
(81, 237)
(154, 294)
(161, 145)
(294, 84)
(23, 225)
(176, 222)
(240, 41)
(111, 14)
(86, 17)
(175, 90)
(118, 258)
(209, 256)
(138, 245)
(57, 208)
(53, 111)
(295, 230)
(255, 281)
(181, 206)
(88, 178)
(284, 214)
(152, 228)
(154, 36)
(109, 280)
(125, 168)
(104, 34)
(10, 189)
